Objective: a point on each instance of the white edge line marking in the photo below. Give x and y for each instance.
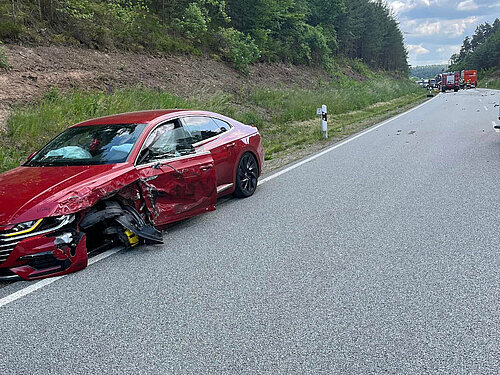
(40, 284)
(337, 145)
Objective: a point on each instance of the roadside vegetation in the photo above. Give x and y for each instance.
(426, 71)
(285, 117)
(490, 78)
(310, 32)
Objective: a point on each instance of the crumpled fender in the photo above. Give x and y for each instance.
(89, 194)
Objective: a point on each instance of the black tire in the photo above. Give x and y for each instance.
(247, 175)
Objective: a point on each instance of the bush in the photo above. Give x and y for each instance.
(193, 23)
(9, 30)
(4, 62)
(238, 48)
(316, 46)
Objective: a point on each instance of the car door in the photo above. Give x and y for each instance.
(209, 135)
(176, 181)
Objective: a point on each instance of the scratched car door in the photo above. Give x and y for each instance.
(176, 181)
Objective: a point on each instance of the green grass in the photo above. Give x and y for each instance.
(300, 104)
(286, 118)
(287, 137)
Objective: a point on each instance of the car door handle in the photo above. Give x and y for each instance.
(229, 145)
(206, 167)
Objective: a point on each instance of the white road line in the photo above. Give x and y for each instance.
(486, 108)
(337, 145)
(25, 291)
(40, 284)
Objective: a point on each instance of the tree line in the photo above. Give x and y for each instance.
(481, 51)
(312, 32)
(427, 71)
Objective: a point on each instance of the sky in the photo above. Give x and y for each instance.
(435, 29)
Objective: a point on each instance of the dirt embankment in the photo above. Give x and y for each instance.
(34, 70)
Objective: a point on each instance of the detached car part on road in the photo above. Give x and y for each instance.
(119, 180)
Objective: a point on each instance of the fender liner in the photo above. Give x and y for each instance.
(125, 216)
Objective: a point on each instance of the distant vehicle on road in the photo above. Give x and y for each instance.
(119, 180)
(468, 79)
(449, 81)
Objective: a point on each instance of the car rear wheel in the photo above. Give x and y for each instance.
(247, 176)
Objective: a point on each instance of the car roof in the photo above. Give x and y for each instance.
(142, 117)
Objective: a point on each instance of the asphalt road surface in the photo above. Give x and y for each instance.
(381, 256)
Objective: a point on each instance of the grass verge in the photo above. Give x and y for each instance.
(285, 118)
(493, 83)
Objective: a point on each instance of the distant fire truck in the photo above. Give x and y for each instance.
(449, 81)
(468, 79)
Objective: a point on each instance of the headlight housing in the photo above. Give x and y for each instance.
(40, 226)
(26, 227)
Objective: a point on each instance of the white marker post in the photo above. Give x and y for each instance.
(324, 121)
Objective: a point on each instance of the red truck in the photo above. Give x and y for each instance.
(468, 79)
(449, 81)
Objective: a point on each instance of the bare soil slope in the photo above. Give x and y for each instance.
(34, 70)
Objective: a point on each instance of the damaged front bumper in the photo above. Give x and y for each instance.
(53, 248)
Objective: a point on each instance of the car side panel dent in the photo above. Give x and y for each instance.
(177, 189)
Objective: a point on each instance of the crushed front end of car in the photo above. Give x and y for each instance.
(35, 249)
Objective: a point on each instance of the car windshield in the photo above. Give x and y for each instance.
(89, 145)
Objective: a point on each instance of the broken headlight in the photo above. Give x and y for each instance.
(26, 227)
(54, 223)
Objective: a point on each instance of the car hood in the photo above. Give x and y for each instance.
(30, 193)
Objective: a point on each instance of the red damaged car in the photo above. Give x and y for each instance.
(119, 180)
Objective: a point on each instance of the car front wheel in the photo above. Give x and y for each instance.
(247, 176)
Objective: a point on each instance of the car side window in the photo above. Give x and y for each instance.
(166, 141)
(222, 125)
(201, 128)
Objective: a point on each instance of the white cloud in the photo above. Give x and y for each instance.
(417, 49)
(453, 28)
(428, 28)
(467, 5)
(449, 49)
(398, 6)
(402, 6)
